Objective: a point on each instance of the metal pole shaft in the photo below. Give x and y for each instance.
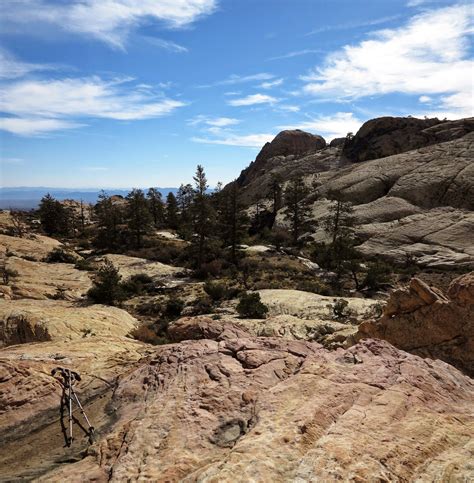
(70, 408)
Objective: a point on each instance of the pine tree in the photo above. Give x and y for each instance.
(53, 216)
(139, 218)
(184, 199)
(172, 219)
(276, 193)
(232, 220)
(202, 216)
(155, 205)
(297, 207)
(109, 217)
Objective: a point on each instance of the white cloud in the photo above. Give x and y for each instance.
(11, 67)
(240, 79)
(289, 107)
(106, 20)
(252, 100)
(166, 44)
(250, 140)
(296, 53)
(33, 126)
(213, 121)
(270, 84)
(353, 25)
(427, 56)
(11, 160)
(425, 99)
(330, 127)
(43, 106)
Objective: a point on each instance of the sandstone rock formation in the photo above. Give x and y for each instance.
(36, 247)
(424, 321)
(30, 432)
(129, 266)
(385, 136)
(40, 280)
(308, 305)
(271, 410)
(23, 321)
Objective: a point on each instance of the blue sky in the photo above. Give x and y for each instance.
(129, 93)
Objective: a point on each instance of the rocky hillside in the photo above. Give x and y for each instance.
(411, 181)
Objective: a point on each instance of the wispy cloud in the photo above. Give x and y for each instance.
(240, 79)
(107, 20)
(270, 84)
(213, 121)
(429, 55)
(166, 44)
(252, 100)
(296, 53)
(354, 25)
(11, 67)
(333, 126)
(249, 140)
(33, 107)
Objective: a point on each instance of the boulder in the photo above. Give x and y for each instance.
(267, 409)
(385, 136)
(23, 321)
(422, 320)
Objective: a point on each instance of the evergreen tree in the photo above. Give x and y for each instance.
(53, 216)
(202, 216)
(155, 205)
(297, 209)
(107, 288)
(139, 218)
(172, 219)
(109, 217)
(184, 199)
(276, 193)
(232, 219)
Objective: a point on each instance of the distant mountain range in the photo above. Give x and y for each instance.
(27, 198)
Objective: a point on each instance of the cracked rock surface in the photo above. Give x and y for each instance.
(265, 409)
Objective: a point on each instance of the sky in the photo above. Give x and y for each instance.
(136, 93)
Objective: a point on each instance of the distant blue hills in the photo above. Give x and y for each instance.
(26, 198)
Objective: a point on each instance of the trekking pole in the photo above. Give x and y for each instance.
(70, 407)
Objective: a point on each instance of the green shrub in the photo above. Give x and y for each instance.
(202, 305)
(174, 307)
(58, 255)
(83, 264)
(251, 307)
(377, 275)
(149, 308)
(340, 308)
(217, 291)
(138, 284)
(107, 288)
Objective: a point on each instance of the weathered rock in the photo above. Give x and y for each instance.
(40, 280)
(308, 305)
(30, 396)
(422, 320)
(36, 247)
(336, 142)
(385, 136)
(275, 410)
(23, 321)
(129, 266)
(294, 142)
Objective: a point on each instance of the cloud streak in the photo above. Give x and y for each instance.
(107, 20)
(33, 107)
(252, 100)
(249, 140)
(429, 55)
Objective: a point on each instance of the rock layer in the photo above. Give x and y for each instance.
(422, 320)
(273, 410)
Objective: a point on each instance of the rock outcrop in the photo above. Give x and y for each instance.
(35, 247)
(272, 410)
(422, 320)
(40, 280)
(385, 136)
(23, 321)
